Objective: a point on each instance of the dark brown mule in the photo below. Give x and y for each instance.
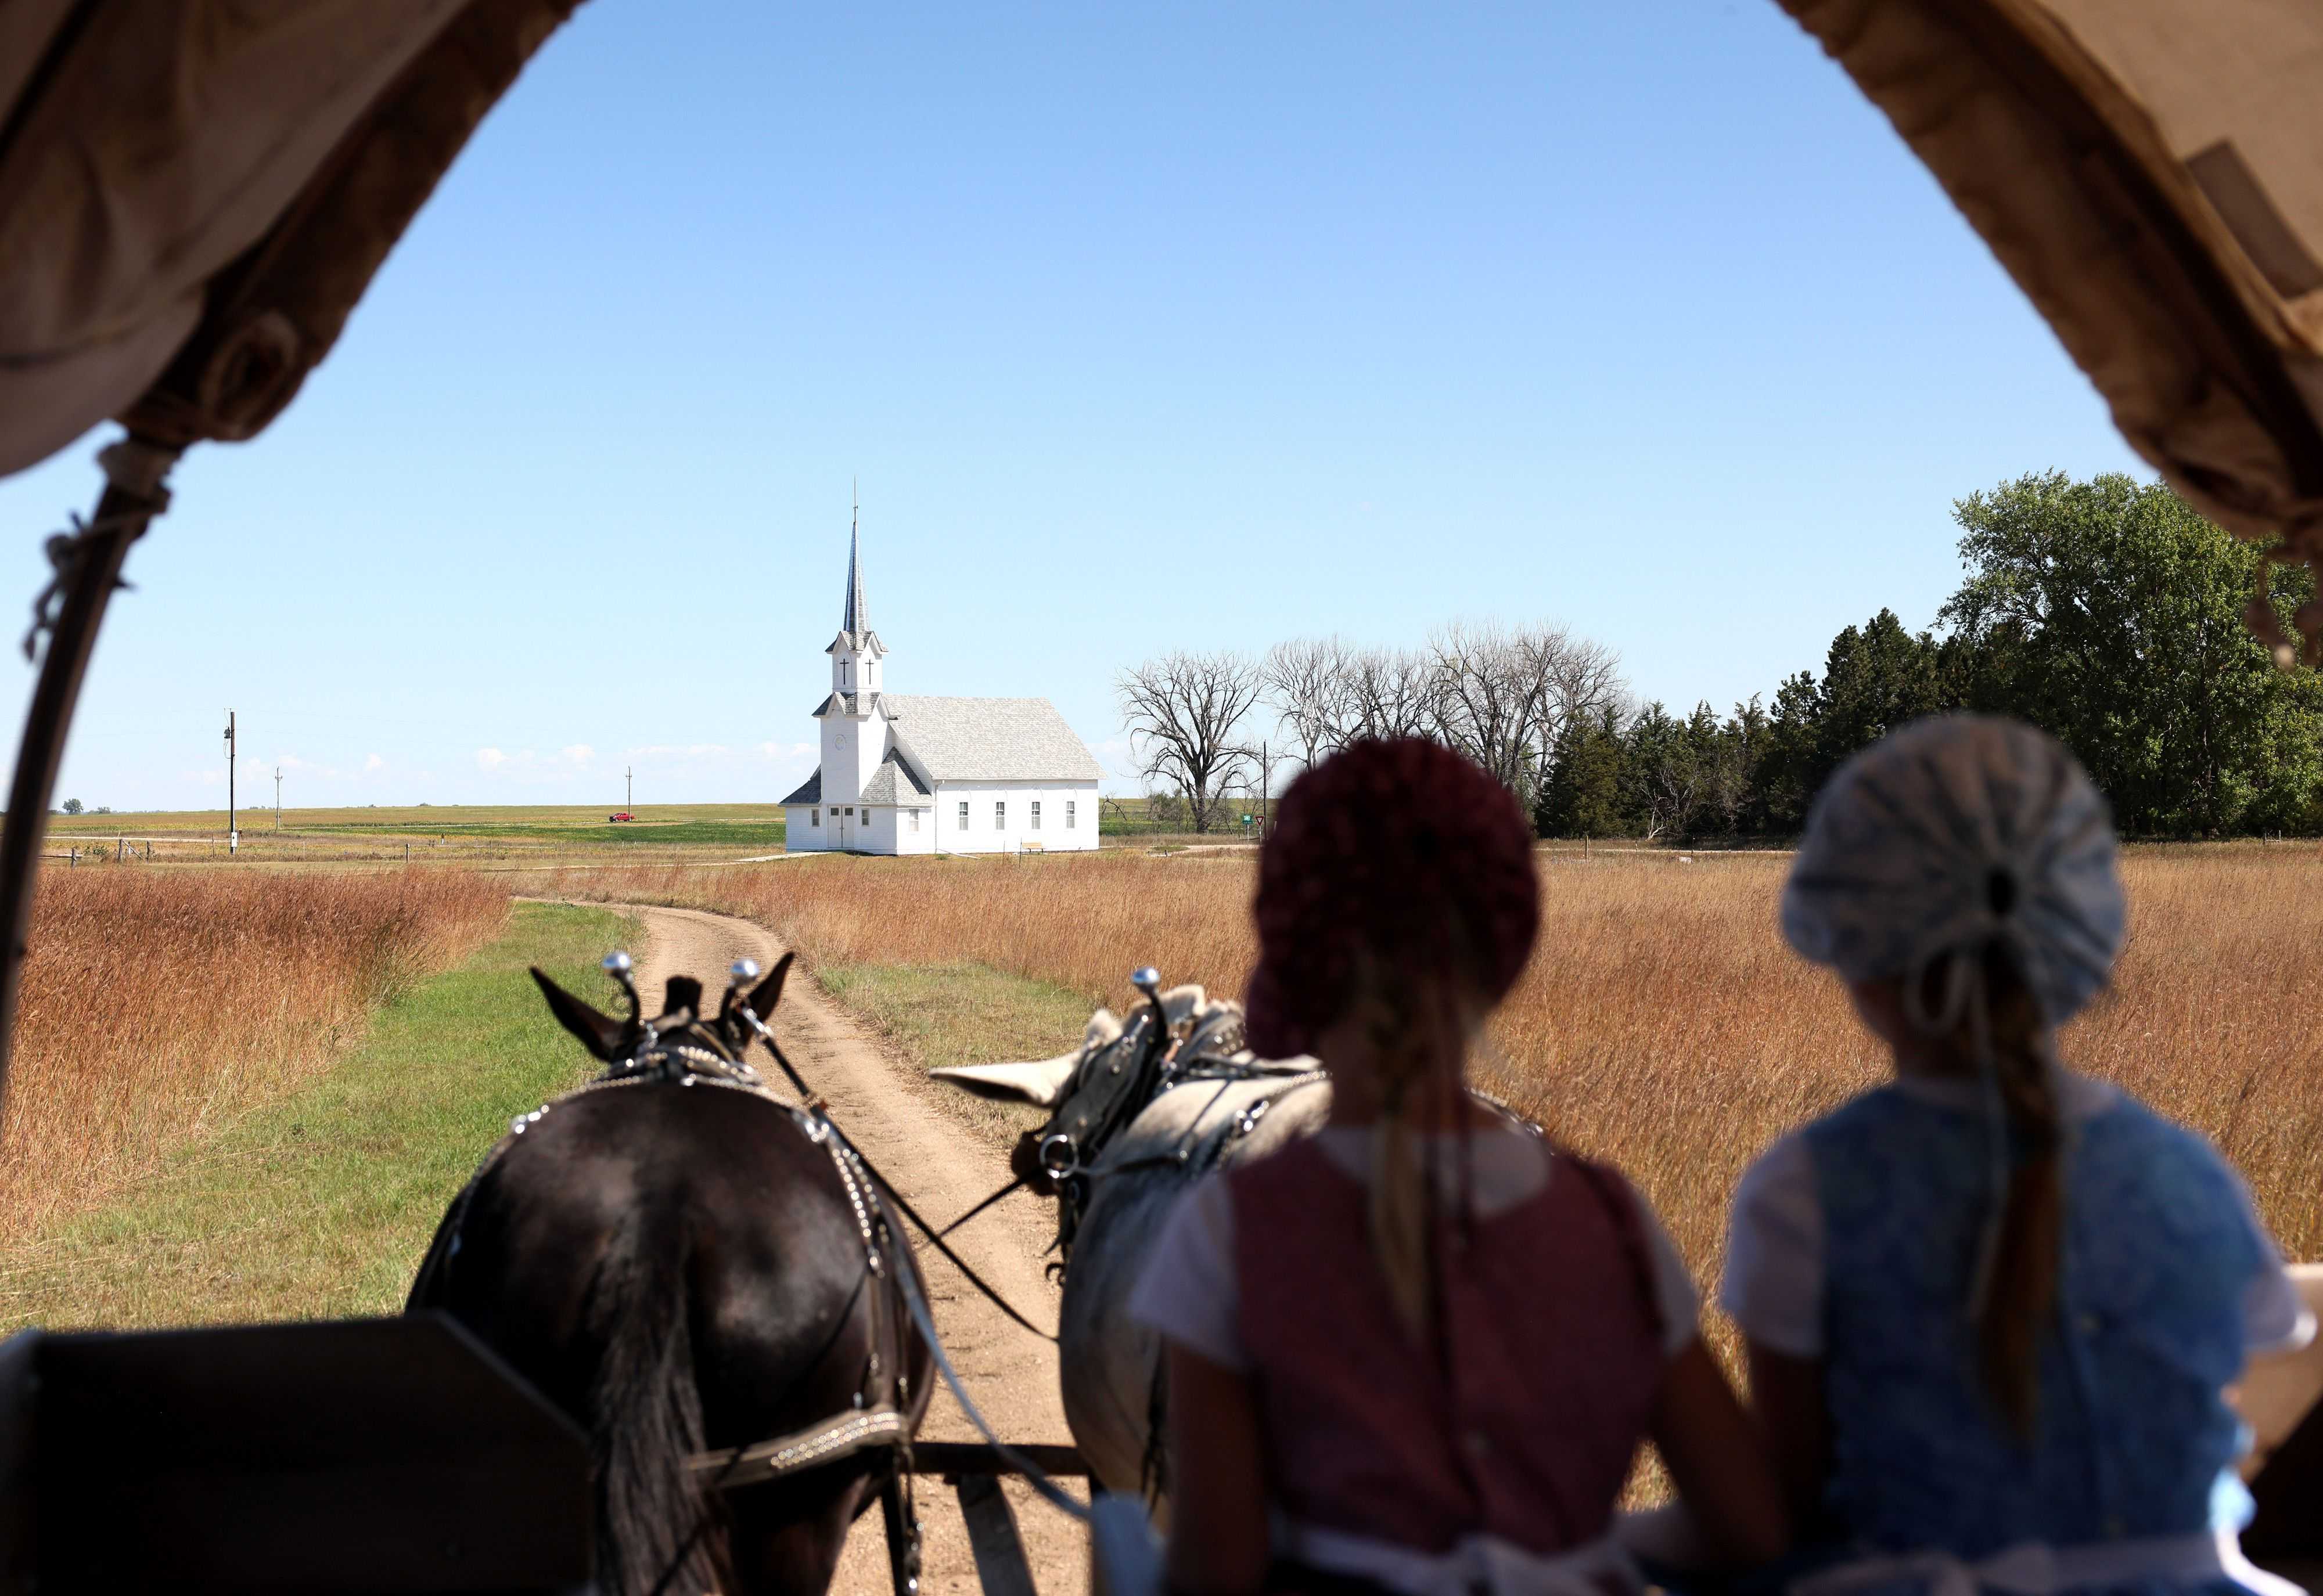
(676, 1263)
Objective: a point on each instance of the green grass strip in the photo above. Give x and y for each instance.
(939, 1014)
(320, 1205)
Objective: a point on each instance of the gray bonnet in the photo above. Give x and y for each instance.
(1950, 834)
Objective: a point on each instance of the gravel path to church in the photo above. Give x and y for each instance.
(905, 1124)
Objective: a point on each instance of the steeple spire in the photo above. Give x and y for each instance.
(856, 621)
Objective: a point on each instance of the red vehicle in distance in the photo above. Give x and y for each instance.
(621, 815)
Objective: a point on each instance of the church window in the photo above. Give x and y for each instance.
(1036, 814)
(1069, 814)
(963, 815)
(1000, 816)
(915, 820)
(814, 817)
(850, 811)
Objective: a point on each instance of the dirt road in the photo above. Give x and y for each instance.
(905, 1125)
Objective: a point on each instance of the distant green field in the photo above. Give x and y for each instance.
(432, 832)
(471, 819)
(660, 833)
(454, 832)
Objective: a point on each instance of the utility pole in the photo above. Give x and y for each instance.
(278, 797)
(628, 787)
(233, 838)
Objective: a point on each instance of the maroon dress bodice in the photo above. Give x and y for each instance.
(1525, 1429)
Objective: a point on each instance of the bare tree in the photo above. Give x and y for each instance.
(1395, 694)
(1492, 696)
(1503, 696)
(1183, 711)
(1581, 679)
(1310, 684)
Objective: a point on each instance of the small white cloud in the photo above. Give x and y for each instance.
(577, 753)
(375, 762)
(490, 758)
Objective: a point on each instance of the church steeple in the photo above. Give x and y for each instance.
(856, 617)
(856, 651)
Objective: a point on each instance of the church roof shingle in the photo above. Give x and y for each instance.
(894, 783)
(810, 789)
(989, 740)
(847, 703)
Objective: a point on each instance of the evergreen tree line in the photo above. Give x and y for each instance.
(2105, 611)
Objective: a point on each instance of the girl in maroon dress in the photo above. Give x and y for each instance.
(1418, 1352)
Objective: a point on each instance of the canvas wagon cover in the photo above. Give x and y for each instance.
(196, 192)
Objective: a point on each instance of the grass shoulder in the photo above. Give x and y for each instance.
(321, 1204)
(962, 1013)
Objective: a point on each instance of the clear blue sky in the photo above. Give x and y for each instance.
(1143, 327)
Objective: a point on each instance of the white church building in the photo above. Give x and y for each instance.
(922, 774)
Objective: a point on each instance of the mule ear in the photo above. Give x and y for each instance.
(600, 1033)
(1042, 1084)
(769, 992)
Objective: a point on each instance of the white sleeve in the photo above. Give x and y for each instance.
(1675, 1294)
(2276, 1319)
(1773, 1285)
(1188, 1289)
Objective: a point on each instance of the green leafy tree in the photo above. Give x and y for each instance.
(2111, 614)
(72, 806)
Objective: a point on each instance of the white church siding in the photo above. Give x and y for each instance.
(983, 835)
(799, 834)
(887, 758)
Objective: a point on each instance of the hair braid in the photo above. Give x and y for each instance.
(2020, 1290)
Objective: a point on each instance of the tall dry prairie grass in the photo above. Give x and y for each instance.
(157, 1003)
(1662, 1022)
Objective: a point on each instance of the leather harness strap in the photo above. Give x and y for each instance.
(842, 1436)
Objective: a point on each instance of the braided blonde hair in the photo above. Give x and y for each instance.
(1418, 1030)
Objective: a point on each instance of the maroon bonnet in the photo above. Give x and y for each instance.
(1403, 851)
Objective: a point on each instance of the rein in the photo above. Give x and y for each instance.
(908, 1281)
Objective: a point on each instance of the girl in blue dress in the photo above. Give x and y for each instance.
(1991, 1306)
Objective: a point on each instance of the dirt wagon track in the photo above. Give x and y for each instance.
(903, 1125)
